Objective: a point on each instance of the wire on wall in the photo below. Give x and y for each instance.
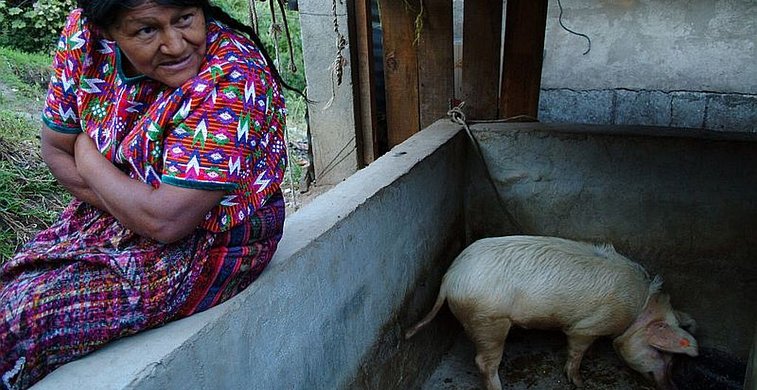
(559, 19)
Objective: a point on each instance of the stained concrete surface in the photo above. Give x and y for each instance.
(535, 360)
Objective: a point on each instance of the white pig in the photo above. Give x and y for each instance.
(586, 290)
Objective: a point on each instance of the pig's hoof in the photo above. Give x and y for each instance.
(571, 371)
(576, 379)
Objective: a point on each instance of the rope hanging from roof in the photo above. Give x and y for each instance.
(337, 67)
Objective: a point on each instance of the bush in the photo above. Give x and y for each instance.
(33, 26)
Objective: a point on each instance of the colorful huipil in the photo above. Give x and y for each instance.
(87, 279)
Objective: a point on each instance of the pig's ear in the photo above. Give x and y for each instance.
(686, 321)
(657, 306)
(671, 339)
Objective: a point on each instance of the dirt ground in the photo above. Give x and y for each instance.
(535, 360)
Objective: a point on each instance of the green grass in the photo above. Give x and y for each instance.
(24, 79)
(29, 197)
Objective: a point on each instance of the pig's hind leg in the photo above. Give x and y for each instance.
(577, 346)
(488, 335)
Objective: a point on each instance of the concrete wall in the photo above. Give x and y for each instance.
(657, 63)
(661, 63)
(680, 203)
(363, 262)
(355, 266)
(332, 115)
(751, 373)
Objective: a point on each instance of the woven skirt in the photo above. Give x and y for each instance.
(87, 280)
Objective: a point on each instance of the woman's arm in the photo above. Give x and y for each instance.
(58, 154)
(165, 214)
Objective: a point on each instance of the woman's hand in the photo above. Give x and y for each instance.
(165, 214)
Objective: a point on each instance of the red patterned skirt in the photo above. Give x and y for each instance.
(87, 280)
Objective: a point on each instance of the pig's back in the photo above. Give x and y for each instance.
(548, 282)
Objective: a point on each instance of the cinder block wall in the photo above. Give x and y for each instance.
(680, 203)
(658, 63)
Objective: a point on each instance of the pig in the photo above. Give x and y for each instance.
(585, 290)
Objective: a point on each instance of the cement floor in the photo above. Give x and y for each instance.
(535, 360)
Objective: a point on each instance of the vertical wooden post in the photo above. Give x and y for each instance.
(436, 61)
(523, 54)
(400, 68)
(482, 35)
(366, 91)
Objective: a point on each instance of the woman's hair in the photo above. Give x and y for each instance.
(103, 14)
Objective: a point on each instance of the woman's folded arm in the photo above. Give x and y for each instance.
(58, 154)
(166, 214)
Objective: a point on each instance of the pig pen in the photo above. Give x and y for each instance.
(363, 262)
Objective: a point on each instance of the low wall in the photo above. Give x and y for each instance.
(682, 203)
(353, 267)
(363, 262)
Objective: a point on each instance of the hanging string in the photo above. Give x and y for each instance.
(337, 67)
(253, 16)
(419, 24)
(559, 19)
(457, 115)
(274, 31)
(292, 66)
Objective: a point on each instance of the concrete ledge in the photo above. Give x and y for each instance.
(347, 261)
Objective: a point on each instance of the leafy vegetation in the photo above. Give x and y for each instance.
(30, 199)
(32, 26)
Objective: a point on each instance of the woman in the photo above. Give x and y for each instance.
(166, 124)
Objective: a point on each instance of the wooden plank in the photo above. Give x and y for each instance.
(366, 93)
(400, 69)
(522, 59)
(436, 61)
(482, 33)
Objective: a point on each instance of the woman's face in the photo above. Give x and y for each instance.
(164, 43)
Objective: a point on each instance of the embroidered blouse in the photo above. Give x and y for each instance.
(221, 130)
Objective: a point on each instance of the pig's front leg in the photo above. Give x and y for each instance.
(577, 346)
(662, 374)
